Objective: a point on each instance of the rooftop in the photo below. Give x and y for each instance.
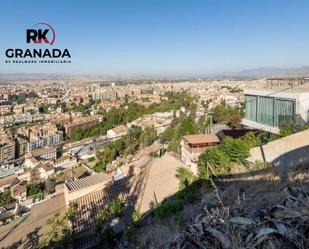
(9, 180)
(88, 181)
(44, 150)
(201, 138)
(279, 92)
(18, 190)
(119, 129)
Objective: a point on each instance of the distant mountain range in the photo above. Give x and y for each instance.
(271, 72)
(249, 73)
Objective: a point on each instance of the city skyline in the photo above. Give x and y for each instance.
(159, 38)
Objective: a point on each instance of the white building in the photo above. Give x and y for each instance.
(46, 153)
(268, 109)
(44, 170)
(45, 141)
(65, 162)
(117, 132)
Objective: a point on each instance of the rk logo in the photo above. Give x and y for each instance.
(40, 35)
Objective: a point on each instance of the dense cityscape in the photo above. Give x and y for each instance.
(82, 146)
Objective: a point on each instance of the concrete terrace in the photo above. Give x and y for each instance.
(292, 150)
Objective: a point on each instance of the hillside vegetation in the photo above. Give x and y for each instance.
(253, 207)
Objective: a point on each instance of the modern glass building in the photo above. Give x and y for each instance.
(264, 108)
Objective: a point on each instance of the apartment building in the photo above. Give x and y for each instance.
(47, 153)
(49, 140)
(7, 151)
(6, 170)
(21, 146)
(103, 94)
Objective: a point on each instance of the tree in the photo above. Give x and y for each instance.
(131, 148)
(220, 114)
(113, 209)
(224, 114)
(216, 158)
(108, 153)
(167, 135)
(50, 185)
(187, 127)
(59, 236)
(119, 145)
(100, 166)
(134, 132)
(236, 149)
(33, 189)
(99, 155)
(6, 198)
(148, 137)
(71, 212)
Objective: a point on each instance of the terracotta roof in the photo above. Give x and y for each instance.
(201, 138)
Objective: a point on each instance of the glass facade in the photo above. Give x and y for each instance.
(268, 110)
(251, 107)
(285, 111)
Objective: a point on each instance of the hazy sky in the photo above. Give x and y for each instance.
(162, 36)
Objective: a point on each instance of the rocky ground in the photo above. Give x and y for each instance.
(260, 207)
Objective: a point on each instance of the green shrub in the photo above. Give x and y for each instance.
(185, 176)
(100, 166)
(6, 198)
(107, 236)
(168, 208)
(188, 195)
(236, 149)
(33, 189)
(113, 209)
(218, 160)
(129, 232)
(251, 140)
(136, 216)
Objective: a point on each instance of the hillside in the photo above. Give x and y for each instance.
(250, 208)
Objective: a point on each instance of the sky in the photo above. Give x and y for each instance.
(161, 37)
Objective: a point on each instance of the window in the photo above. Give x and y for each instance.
(284, 111)
(251, 107)
(266, 110)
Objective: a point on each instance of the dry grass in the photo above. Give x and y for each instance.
(243, 192)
